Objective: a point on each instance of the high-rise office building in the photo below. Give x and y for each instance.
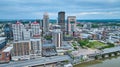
(8, 31)
(45, 22)
(61, 20)
(71, 24)
(57, 37)
(35, 29)
(17, 31)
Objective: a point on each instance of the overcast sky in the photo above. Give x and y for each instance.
(83, 9)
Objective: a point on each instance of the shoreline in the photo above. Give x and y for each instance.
(97, 60)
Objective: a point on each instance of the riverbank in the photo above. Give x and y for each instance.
(106, 53)
(107, 62)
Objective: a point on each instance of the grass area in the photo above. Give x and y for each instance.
(94, 44)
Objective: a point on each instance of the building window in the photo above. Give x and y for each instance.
(0, 55)
(7, 54)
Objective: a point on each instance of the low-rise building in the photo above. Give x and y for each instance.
(6, 55)
(2, 42)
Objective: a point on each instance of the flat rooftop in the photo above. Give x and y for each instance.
(2, 38)
(7, 49)
(48, 45)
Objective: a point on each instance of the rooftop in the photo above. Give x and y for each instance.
(7, 49)
(48, 45)
(57, 31)
(18, 22)
(2, 38)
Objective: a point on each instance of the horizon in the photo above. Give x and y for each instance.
(52, 19)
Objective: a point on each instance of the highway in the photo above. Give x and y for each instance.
(34, 62)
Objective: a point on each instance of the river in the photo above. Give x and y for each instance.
(109, 62)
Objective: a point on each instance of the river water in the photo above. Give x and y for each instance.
(109, 62)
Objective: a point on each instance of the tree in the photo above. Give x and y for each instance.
(48, 37)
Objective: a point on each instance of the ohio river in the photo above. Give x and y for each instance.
(109, 62)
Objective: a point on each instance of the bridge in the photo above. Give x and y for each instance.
(108, 52)
(111, 50)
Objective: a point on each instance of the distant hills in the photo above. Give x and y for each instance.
(54, 21)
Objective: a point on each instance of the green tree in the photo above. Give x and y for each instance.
(48, 37)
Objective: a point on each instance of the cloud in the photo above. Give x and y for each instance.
(92, 13)
(35, 8)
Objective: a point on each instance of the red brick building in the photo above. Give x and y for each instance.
(5, 55)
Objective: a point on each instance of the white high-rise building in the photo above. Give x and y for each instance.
(26, 34)
(71, 24)
(28, 40)
(45, 22)
(35, 40)
(17, 31)
(57, 37)
(35, 29)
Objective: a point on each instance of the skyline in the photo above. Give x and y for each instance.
(84, 9)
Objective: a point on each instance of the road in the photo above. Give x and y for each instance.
(38, 61)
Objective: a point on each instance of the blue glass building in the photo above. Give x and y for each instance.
(8, 31)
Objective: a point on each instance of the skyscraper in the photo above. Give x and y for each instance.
(71, 24)
(57, 37)
(61, 20)
(8, 31)
(17, 31)
(45, 22)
